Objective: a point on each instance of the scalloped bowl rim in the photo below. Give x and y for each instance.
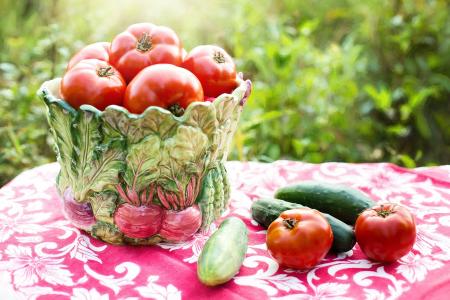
(240, 92)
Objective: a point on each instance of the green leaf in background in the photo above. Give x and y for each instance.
(407, 161)
(382, 98)
(419, 98)
(265, 117)
(314, 58)
(398, 130)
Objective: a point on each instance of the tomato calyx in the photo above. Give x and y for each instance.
(144, 43)
(106, 71)
(289, 223)
(385, 211)
(219, 57)
(176, 109)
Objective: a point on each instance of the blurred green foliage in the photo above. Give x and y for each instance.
(334, 80)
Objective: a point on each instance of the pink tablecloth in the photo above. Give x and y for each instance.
(43, 256)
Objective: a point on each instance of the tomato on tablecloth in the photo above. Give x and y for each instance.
(42, 256)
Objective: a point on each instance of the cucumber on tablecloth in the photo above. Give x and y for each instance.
(341, 202)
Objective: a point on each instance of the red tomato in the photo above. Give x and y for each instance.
(98, 50)
(299, 238)
(142, 45)
(94, 82)
(385, 232)
(163, 85)
(214, 68)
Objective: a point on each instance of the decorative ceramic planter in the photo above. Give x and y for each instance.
(142, 179)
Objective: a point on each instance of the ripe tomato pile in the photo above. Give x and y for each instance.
(146, 65)
(300, 238)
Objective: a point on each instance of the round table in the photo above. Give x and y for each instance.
(42, 256)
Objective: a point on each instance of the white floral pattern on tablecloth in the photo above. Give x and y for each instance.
(42, 256)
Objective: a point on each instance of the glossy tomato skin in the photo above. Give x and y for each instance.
(94, 82)
(299, 238)
(162, 85)
(214, 67)
(98, 51)
(142, 45)
(385, 232)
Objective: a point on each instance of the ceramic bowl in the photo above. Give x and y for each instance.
(141, 179)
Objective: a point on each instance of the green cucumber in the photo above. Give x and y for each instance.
(266, 210)
(339, 201)
(223, 253)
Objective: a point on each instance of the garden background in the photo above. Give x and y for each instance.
(334, 80)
